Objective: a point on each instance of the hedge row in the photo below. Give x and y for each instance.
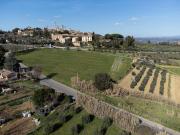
(163, 80)
(138, 77)
(146, 79)
(154, 81)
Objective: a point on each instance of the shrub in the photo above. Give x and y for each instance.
(133, 73)
(100, 131)
(43, 96)
(64, 118)
(78, 110)
(60, 97)
(103, 81)
(125, 133)
(48, 129)
(75, 130)
(87, 119)
(107, 122)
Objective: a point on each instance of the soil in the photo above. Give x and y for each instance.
(175, 88)
(18, 127)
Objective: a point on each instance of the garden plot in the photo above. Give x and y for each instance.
(139, 83)
(126, 81)
(147, 88)
(157, 86)
(175, 88)
(19, 127)
(147, 80)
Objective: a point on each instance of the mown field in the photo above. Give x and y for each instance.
(66, 64)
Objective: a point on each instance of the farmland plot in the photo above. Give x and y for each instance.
(154, 81)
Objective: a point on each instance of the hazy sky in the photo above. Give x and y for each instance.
(128, 17)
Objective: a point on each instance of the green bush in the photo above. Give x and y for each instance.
(64, 118)
(107, 122)
(103, 81)
(78, 110)
(48, 129)
(87, 119)
(75, 130)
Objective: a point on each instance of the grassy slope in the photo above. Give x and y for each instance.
(161, 113)
(66, 128)
(172, 69)
(68, 63)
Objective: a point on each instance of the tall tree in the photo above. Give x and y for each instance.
(10, 61)
(129, 42)
(2, 52)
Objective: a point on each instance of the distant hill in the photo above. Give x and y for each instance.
(158, 39)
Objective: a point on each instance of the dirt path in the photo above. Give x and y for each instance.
(157, 88)
(175, 88)
(166, 85)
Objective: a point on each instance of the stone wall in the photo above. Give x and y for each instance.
(101, 109)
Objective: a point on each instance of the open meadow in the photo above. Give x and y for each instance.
(66, 64)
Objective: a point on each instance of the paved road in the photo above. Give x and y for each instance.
(58, 87)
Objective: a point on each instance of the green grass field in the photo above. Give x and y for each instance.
(66, 64)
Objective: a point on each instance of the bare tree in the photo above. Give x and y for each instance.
(36, 73)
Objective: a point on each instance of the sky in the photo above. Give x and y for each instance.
(140, 18)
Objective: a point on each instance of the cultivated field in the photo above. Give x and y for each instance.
(13, 104)
(157, 83)
(66, 64)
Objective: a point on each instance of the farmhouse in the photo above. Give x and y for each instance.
(7, 75)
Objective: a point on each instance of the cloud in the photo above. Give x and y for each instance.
(134, 19)
(118, 23)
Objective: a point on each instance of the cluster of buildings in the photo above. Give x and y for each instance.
(61, 35)
(26, 32)
(76, 38)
